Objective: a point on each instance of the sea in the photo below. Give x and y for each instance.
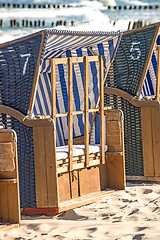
(22, 17)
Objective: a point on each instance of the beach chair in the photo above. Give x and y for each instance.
(131, 85)
(51, 82)
(9, 182)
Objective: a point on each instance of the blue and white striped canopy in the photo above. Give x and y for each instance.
(60, 44)
(149, 87)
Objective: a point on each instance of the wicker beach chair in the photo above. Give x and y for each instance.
(34, 97)
(129, 81)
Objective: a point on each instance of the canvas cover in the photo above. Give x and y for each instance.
(61, 44)
(149, 87)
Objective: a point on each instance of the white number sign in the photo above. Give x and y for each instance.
(135, 50)
(26, 61)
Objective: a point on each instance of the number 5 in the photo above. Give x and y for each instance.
(136, 50)
(26, 61)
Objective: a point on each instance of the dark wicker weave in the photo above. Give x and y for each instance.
(25, 160)
(125, 74)
(15, 92)
(16, 86)
(132, 134)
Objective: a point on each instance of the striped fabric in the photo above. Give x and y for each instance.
(73, 44)
(149, 87)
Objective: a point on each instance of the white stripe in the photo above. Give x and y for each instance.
(46, 90)
(153, 77)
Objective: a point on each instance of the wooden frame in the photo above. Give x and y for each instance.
(58, 190)
(86, 111)
(9, 181)
(75, 177)
(81, 185)
(75, 181)
(36, 77)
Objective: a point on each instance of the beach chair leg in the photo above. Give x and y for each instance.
(115, 171)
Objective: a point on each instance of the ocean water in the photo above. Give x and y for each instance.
(83, 15)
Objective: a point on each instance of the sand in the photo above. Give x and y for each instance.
(123, 215)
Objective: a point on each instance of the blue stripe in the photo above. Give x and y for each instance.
(48, 86)
(63, 86)
(148, 79)
(97, 129)
(158, 40)
(60, 120)
(43, 95)
(146, 86)
(68, 54)
(95, 78)
(144, 91)
(150, 90)
(76, 99)
(101, 52)
(111, 48)
(154, 63)
(81, 67)
(64, 93)
(59, 134)
(34, 110)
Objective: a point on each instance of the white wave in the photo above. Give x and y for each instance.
(11, 34)
(93, 4)
(109, 2)
(94, 21)
(138, 2)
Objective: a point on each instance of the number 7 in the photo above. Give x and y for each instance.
(26, 61)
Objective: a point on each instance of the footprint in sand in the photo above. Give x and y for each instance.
(71, 215)
(117, 219)
(105, 216)
(91, 230)
(147, 191)
(155, 209)
(141, 228)
(138, 237)
(123, 207)
(127, 200)
(133, 212)
(19, 238)
(58, 237)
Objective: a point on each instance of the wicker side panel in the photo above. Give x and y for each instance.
(17, 69)
(25, 160)
(132, 134)
(127, 68)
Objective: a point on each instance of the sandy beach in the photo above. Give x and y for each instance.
(123, 215)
